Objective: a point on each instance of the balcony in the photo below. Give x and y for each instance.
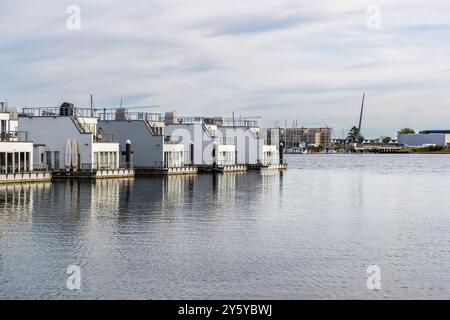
(224, 140)
(104, 138)
(173, 139)
(14, 136)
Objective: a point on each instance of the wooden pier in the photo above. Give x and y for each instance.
(380, 149)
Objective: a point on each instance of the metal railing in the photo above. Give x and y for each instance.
(13, 136)
(126, 165)
(99, 166)
(222, 122)
(129, 116)
(173, 139)
(57, 112)
(170, 164)
(105, 138)
(9, 169)
(227, 122)
(224, 140)
(190, 120)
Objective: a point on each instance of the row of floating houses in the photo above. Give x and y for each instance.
(38, 144)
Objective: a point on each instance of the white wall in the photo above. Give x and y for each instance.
(11, 125)
(244, 140)
(12, 147)
(108, 147)
(54, 133)
(191, 133)
(229, 158)
(16, 147)
(147, 149)
(177, 155)
(269, 155)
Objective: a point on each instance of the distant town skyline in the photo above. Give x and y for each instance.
(281, 60)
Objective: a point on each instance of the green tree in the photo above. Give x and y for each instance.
(354, 136)
(386, 140)
(315, 149)
(406, 131)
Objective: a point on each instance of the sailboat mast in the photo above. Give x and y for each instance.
(361, 115)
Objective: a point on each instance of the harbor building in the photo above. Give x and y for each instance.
(425, 138)
(153, 151)
(304, 137)
(16, 151)
(226, 144)
(67, 140)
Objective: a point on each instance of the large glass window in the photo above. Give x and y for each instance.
(9, 162)
(56, 160)
(49, 159)
(95, 164)
(22, 161)
(2, 162)
(16, 161)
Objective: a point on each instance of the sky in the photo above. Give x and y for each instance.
(283, 60)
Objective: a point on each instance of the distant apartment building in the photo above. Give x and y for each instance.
(298, 137)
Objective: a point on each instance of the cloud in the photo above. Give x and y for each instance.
(281, 59)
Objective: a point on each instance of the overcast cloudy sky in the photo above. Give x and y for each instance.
(282, 60)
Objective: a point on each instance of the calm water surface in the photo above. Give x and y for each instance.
(309, 233)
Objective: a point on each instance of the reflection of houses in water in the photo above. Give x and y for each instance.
(176, 187)
(20, 197)
(97, 197)
(225, 185)
(268, 183)
(105, 197)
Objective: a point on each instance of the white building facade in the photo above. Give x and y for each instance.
(224, 142)
(67, 139)
(16, 149)
(146, 133)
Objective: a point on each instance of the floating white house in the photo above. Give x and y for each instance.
(203, 145)
(145, 131)
(16, 151)
(224, 142)
(67, 139)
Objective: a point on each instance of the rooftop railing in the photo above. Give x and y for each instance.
(129, 116)
(240, 123)
(14, 136)
(57, 112)
(222, 122)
